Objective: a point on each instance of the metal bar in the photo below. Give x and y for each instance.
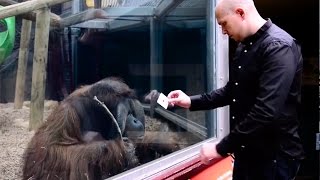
(75, 6)
(221, 56)
(83, 16)
(211, 118)
(166, 7)
(118, 25)
(112, 25)
(194, 128)
(156, 65)
(188, 12)
(190, 126)
(188, 24)
(129, 11)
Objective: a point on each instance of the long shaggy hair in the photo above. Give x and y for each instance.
(58, 149)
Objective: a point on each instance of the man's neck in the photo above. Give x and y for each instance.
(257, 23)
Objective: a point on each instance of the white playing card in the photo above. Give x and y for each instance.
(163, 101)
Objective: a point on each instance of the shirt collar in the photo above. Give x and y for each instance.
(251, 39)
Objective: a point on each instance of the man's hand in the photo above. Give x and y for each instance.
(179, 98)
(208, 152)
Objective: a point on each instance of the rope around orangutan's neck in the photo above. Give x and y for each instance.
(110, 114)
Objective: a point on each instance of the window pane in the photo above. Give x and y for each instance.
(153, 45)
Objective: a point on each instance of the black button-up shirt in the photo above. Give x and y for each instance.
(263, 93)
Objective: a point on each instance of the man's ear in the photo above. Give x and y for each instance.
(240, 12)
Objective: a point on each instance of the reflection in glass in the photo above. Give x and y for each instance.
(152, 45)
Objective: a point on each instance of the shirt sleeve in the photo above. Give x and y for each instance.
(217, 98)
(278, 71)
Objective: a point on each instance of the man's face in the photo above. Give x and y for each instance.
(230, 24)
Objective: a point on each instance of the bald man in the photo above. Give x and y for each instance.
(263, 93)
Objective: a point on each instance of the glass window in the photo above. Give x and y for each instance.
(153, 46)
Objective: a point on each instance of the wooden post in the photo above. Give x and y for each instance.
(39, 68)
(22, 63)
(27, 6)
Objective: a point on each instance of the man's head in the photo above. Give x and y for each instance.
(238, 18)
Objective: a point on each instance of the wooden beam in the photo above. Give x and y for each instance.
(39, 68)
(54, 19)
(22, 63)
(27, 6)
